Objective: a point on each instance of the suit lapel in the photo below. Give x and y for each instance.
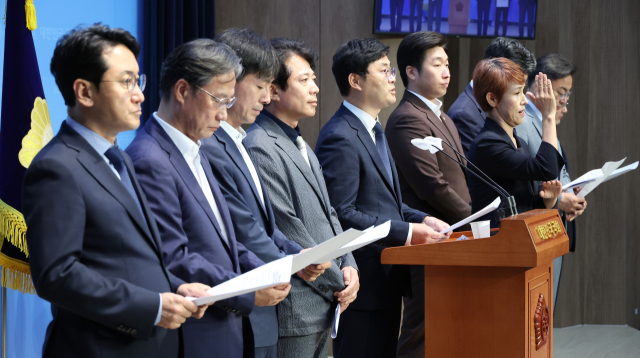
(235, 155)
(102, 173)
(369, 145)
(182, 168)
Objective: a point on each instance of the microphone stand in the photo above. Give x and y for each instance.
(508, 204)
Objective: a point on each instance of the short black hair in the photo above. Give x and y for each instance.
(78, 54)
(355, 56)
(512, 50)
(413, 50)
(554, 65)
(257, 54)
(197, 62)
(286, 48)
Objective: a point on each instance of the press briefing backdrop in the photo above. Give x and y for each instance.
(28, 315)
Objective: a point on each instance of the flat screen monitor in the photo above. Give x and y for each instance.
(477, 18)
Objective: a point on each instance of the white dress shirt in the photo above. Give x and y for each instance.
(435, 107)
(369, 122)
(238, 135)
(191, 152)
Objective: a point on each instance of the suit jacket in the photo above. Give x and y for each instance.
(468, 118)
(94, 256)
(303, 213)
(531, 132)
(193, 247)
(363, 195)
(254, 223)
(431, 183)
(514, 169)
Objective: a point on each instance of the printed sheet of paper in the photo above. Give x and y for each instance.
(607, 169)
(268, 275)
(369, 236)
(489, 208)
(597, 174)
(324, 250)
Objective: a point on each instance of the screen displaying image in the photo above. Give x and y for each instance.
(484, 18)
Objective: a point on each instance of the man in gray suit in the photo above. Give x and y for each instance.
(294, 182)
(560, 71)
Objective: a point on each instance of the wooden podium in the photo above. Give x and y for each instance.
(491, 297)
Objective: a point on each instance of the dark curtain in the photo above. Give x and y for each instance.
(167, 24)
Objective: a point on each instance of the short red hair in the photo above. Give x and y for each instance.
(494, 75)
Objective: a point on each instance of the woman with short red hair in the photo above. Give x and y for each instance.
(498, 86)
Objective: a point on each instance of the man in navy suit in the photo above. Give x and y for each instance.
(197, 83)
(465, 111)
(363, 187)
(239, 180)
(95, 251)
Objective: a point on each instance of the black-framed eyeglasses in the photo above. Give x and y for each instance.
(131, 81)
(228, 102)
(389, 72)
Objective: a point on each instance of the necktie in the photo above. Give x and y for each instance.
(381, 145)
(302, 147)
(115, 157)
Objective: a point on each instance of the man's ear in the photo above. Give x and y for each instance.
(274, 91)
(492, 99)
(412, 73)
(84, 91)
(182, 90)
(355, 81)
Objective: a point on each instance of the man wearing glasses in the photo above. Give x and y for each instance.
(364, 189)
(93, 241)
(560, 71)
(429, 182)
(197, 83)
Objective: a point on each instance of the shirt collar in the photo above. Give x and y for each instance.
(366, 119)
(471, 83)
(435, 107)
(186, 146)
(236, 134)
(292, 133)
(536, 112)
(96, 141)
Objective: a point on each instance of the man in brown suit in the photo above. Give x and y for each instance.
(429, 182)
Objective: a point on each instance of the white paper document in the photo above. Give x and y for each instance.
(336, 322)
(491, 207)
(268, 275)
(320, 252)
(607, 169)
(369, 236)
(597, 174)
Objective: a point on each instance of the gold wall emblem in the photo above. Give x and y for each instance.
(548, 230)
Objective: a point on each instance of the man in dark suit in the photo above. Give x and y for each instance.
(432, 183)
(293, 179)
(466, 112)
(363, 186)
(239, 180)
(95, 251)
(196, 85)
(560, 71)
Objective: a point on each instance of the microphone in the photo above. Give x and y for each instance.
(508, 204)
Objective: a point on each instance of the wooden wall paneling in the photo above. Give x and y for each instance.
(631, 99)
(297, 19)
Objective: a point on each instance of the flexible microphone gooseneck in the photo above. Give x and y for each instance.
(508, 204)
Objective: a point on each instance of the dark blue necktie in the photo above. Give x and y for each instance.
(381, 145)
(115, 157)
